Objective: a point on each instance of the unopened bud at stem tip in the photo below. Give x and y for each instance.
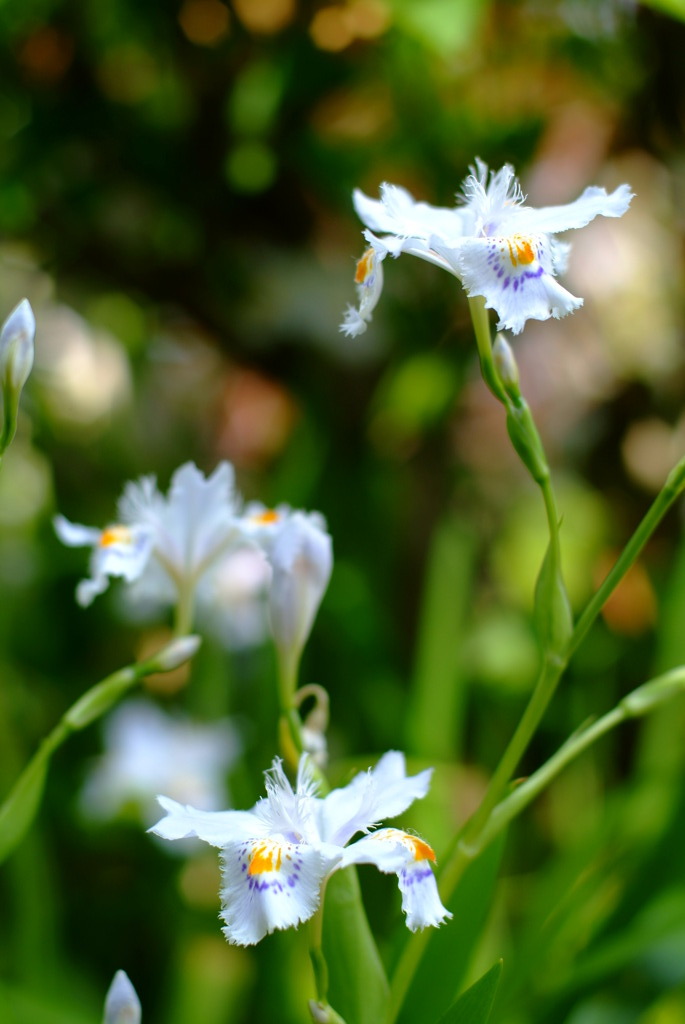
(174, 654)
(16, 346)
(122, 1005)
(505, 362)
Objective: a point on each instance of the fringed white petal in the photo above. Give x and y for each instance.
(515, 276)
(270, 884)
(116, 551)
(396, 852)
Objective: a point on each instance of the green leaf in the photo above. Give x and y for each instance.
(436, 709)
(20, 807)
(450, 949)
(475, 1005)
(358, 987)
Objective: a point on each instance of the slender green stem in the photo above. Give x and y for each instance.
(638, 703)
(481, 329)
(288, 673)
(21, 805)
(672, 489)
(548, 679)
(496, 809)
(527, 442)
(183, 619)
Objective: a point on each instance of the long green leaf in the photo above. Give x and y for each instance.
(450, 949)
(475, 1005)
(19, 809)
(437, 702)
(358, 987)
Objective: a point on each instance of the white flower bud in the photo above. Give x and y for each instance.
(122, 1005)
(505, 362)
(16, 346)
(174, 654)
(302, 560)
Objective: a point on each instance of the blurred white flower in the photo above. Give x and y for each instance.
(498, 247)
(148, 751)
(233, 605)
(167, 544)
(84, 371)
(277, 856)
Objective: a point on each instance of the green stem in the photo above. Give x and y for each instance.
(635, 705)
(548, 679)
(481, 329)
(638, 703)
(672, 489)
(527, 442)
(321, 1010)
(183, 619)
(21, 805)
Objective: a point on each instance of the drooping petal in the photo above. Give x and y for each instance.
(407, 856)
(383, 792)
(515, 276)
(74, 535)
(270, 884)
(594, 202)
(116, 551)
(218, 828)
(368, 279)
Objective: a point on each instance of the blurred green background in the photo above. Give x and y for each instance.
(175, 201)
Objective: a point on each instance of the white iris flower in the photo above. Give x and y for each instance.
(166, 543)
(498, 247)
(277, 856)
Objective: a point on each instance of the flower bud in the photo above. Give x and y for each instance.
(302, 560)
(507, 368)
(16, 347)
(174, 654)
(122, 1005)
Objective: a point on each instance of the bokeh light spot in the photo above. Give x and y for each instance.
(265, 16)
(46, 55)
(331, 29)
(368, 19)
(250, 167)
(128, 74)
(204, 22)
